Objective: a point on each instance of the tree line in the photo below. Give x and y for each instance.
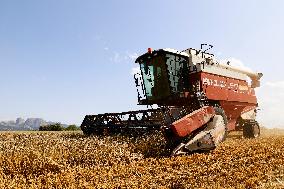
(58, 127)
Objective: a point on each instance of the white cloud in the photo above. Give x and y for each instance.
(135, 70)
(106, 48)
(115, 57)
(132, 56)
(124, 57)
(275, 84)
(271, 102)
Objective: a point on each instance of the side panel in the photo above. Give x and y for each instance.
(223, 88)
(235, 96)
(214, 86)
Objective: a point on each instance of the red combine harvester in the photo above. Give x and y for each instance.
(199, 101)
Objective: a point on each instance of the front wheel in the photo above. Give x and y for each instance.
(251, 129)
(221, 112)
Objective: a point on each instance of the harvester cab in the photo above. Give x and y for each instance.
(199, 101)
(163, 77)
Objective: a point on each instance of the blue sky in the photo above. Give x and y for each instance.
(62, 59)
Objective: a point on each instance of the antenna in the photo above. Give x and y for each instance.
(208, 45)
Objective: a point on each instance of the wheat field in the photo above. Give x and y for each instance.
(71, 160)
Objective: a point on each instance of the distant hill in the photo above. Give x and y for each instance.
(21, 124)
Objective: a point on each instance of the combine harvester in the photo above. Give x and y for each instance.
(199, 101)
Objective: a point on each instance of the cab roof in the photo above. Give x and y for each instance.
(172, 51)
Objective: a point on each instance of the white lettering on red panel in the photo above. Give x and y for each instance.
(219, 83)
(213, 82)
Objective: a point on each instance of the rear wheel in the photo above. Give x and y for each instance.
(251, 129)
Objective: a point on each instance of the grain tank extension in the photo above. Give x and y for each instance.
(199, 101)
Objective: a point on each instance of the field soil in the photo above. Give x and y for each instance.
(72, 160)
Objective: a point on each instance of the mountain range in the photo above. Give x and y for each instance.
(21, 124)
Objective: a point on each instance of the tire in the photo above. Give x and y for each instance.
(220, 111)
(251, 129)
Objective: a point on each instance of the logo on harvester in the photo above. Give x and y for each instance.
(222, 84)
(213, 82)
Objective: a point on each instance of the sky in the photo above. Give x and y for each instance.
(63, 59)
